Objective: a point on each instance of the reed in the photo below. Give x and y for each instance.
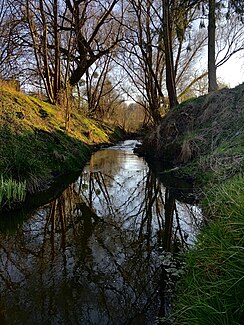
(11, 191)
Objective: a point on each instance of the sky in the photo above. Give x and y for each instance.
(232, 72)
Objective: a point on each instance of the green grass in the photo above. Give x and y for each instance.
(195, 100)
(11, 191)
(211, 292)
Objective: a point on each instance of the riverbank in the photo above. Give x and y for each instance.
(211, 290)
(37, 145)
(204, 139)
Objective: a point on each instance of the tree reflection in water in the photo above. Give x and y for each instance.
(92, 255)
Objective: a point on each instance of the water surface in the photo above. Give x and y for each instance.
(101, 253)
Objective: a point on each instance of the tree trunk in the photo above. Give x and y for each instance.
(212, 79)
(170, 73)
(57, 85)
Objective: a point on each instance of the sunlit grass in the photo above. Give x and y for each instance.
(36, 146)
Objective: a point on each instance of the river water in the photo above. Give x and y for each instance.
(102, 252)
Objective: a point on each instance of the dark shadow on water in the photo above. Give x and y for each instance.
(181, 186)
(10, 219)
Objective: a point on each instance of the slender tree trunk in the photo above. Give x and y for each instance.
(40, 48)
(57, 52)
(152, 86)
(170, 73)
(46, 67)
(212, 79)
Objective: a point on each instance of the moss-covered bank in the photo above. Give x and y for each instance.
(36, 147)
(204, 137)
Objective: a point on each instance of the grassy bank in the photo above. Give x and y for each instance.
(36, 145)
(206, 133)
(204, 137)
(211, 292)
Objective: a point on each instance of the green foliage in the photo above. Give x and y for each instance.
(212, 289)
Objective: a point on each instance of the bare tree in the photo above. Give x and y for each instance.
(229, 38)
(144, 51)
(231, 41)
(142, 58)
(67, 37)
(11, 50)
(100, 89)
(42, 22)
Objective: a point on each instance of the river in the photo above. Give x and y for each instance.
(102, 252)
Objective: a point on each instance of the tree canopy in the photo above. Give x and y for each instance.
(150, 51)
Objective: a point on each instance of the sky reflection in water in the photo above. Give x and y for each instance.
(92, 255)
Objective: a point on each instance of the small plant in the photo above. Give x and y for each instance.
(11, 191)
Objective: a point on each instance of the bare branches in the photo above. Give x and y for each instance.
(230, 40)
(9, 40)
(67, 37)
(95, 37)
